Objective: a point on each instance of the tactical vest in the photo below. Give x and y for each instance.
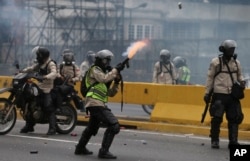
(98, 91)
(45, 70)
(185, 75)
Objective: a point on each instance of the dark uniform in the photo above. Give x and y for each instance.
(219, 80)
(95, 103)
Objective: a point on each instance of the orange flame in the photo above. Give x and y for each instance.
(135, 47)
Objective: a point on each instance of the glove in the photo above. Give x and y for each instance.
(108, 68)
(120, 67)
(40, 78)
(117, 79)
(243, 84)
(206, 98)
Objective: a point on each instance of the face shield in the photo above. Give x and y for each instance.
(39, 58)
(106, 61)
(68, 58)
(229, 52)
(165, 59)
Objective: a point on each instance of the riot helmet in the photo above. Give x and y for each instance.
(68, 57)
(227, 47)
(91, 56)
(42, 54)
(179, 61)
(165, 56)
(103, 58)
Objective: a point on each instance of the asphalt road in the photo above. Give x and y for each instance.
(129, 145)
(130, 110)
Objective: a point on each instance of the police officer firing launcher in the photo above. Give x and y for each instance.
(101, 75)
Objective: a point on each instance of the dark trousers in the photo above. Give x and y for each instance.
(224, 103)
(100, 115)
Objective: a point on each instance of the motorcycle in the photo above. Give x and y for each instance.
(24, 97)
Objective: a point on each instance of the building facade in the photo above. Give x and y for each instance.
(194, 31)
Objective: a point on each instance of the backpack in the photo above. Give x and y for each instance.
(83, 86)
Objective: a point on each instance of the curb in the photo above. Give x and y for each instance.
(144, 124)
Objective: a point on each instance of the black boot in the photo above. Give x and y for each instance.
(106, 143)
(215, 144)
(215, 132)
(29, 127)
(52, 124)
(82, 151)
(233, 134)
(81, 146)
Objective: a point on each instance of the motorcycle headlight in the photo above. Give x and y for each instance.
(15, 83)
(30, 91)
(34, 91)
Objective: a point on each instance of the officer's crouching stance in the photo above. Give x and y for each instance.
(218, 79)
(95, 101)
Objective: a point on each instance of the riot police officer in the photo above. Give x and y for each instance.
(220, 82)
(164, 70)
(183, 72)
(88, 62)
(69, 70)
(47, 69)
(101, 76)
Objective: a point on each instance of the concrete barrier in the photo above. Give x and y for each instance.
(172, 104)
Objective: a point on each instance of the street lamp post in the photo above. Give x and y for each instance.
(143, 5)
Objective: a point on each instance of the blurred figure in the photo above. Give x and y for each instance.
(69, 68)
(219, 82)
(87, 63)
(164, 70)
(183, 72)
(70, 71)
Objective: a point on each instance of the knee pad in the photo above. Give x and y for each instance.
(235, 115)
(240, 119)
(115, 128)
(217, 120)
(217, 109)
(236, 118)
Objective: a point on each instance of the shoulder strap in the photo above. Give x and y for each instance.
(48, 64)
(220, 65)
(230, 71)
(160, 68)
(60, 68)
(87, 76)
(74, 68)
(236, 64)
(169, 70)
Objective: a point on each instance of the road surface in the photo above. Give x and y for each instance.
(129, 145)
